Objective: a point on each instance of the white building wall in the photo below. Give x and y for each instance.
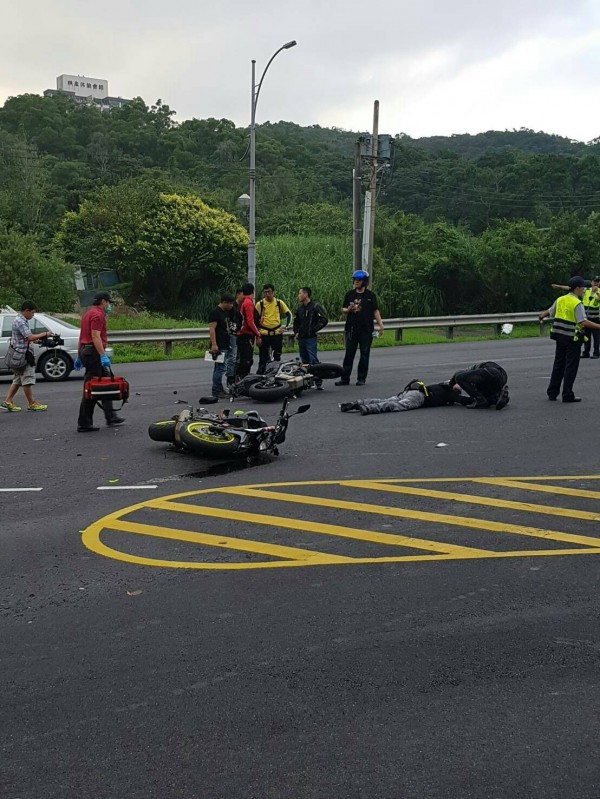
(83, 86)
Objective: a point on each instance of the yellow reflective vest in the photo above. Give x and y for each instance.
(565, 321)
(592, 305)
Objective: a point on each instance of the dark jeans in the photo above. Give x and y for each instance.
(356, 339)
(93, 368)
(219, 370)
(245, 355)
(564, 370)
(307, 350)
(592, 335)
(274, 343)
(231, 358)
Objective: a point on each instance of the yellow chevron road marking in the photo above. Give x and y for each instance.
(405, 513)
(474, 499)
(528, 486)
(317, 527)
(281, 556)
(242, 544)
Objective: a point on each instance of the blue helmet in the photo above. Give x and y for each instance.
(360, 274)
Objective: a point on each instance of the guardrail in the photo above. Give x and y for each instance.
(168, 336)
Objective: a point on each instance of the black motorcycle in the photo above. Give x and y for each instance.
(284, 379)
(225, 434)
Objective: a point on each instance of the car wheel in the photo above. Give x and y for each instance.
(55, 366)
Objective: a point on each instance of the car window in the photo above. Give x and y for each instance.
(60, 322)
(7, 325)
(36, 326)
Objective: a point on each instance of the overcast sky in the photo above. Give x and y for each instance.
(437, 67)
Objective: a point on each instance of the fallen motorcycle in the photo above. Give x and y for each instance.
(227, 434)
(284, 379)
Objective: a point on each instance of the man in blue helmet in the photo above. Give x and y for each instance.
(361, 311)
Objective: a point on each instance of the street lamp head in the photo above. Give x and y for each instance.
(244, 200)
(287, 46)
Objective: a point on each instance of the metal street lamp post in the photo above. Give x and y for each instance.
(252, 172)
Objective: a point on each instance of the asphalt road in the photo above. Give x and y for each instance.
(466, 665)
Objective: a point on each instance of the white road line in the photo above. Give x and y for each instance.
(123, 488)
(21, 489)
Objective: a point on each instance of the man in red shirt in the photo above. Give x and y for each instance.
(92, 352)
(247, 333)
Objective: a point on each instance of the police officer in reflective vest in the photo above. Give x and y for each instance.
(591, 303)
(569, 319)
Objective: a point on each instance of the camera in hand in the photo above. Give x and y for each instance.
(51, 340)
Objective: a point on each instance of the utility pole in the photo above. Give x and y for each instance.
(373, 186)
(356, 209)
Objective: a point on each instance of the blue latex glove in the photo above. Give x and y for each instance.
(105, 361)
(77, 365)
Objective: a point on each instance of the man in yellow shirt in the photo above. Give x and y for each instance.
(275, 316)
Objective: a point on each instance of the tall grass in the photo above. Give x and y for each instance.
(145, 320)
(322, 262)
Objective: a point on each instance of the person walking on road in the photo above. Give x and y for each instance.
(309, 318)
(360, 309)
(274, 316)
(218, 330)
(569, 318)
(248, 333)
(24, 377)
(93, 339)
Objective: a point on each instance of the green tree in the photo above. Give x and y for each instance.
(511, 267)
(185, 247)
(26, 273)
(169, 247)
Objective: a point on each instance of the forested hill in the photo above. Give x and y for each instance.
(55, 153)
(469, 145)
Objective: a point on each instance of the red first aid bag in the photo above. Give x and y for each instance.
(112, 387)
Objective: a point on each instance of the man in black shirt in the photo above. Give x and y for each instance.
(218, 328)
(360, 309)
(308, 320)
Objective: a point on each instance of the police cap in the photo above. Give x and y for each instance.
(576, 283)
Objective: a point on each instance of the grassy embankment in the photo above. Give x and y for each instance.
(289, 262)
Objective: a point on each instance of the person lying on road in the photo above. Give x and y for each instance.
(415, 395)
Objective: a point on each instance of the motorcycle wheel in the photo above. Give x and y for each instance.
(205, 439)
(241, 389)
(325, 371)
(270, 392)
(163, 431)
